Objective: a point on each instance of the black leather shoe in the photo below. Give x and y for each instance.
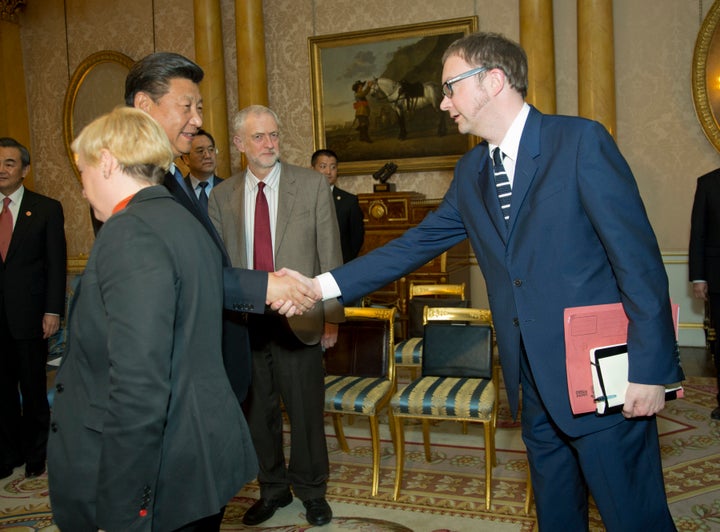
(318, 512)
(715, 414)
(264, 509)
(34, 470)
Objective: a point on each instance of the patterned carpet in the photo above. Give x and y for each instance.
(444, 495)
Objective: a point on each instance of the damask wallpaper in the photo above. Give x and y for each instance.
(656, 126)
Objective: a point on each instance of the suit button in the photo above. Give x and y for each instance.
(53, 427)
(60, 387)
(517, 282)
(516, 322)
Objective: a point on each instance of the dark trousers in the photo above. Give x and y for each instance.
(23, 425)
(619, 466)
(714, 298)
(290, 373)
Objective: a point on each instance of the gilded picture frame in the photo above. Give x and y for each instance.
(376, 96)
(706, 75)
(96, 87)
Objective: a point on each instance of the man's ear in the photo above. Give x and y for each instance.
(497, 80)
(142, 101)
(238, 142)
(184, 158)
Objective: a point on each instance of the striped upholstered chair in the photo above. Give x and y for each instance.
(458, 382)
(408, 353)
(360, 374)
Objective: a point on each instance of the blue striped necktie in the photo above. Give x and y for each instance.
(502, 184)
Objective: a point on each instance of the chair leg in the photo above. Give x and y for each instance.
(528, 493)
(339, 433)
(489, 453)
(375, 437)
(426, 439)
(399, 454)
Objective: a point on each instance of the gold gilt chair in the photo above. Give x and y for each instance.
(360, 374)
(408, 353)
(458, 382)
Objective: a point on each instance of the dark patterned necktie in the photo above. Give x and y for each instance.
(262, 237)
(203, 197)
(502, 184)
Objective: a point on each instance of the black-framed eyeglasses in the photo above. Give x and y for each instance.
(447, 89)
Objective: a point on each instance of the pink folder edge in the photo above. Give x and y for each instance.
(587, 328)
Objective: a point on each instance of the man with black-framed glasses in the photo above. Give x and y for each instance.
(555, 219)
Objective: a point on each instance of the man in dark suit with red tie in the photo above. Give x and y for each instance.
(32, 299)
(704, 255)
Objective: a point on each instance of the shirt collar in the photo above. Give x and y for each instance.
(271, 180)
(16, 197)
(510, 145)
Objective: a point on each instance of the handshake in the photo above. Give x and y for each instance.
(290, 293)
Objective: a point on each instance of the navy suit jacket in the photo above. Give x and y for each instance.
(578, 235)
(243, 291)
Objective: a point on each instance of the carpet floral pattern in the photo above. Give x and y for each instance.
(445, 494)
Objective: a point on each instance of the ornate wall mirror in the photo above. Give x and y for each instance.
(706, 75)
(96, 87)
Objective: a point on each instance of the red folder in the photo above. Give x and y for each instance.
(588, 328)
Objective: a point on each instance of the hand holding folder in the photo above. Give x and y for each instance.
(609, 367)
(597, 331)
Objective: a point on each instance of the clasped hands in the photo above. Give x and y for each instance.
(290, 293)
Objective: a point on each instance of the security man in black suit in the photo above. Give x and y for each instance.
(347, 208)
(704, 255)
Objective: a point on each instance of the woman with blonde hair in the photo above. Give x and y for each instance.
(146, 432)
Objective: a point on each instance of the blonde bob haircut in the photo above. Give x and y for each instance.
(134, 138)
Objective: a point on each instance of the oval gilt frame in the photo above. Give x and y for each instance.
(706, 75)
(89, 65)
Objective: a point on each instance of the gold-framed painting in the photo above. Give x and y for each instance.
(706, 75)
(376, 97)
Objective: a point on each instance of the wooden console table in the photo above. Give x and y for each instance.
(387, 215)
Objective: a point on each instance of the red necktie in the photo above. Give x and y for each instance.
(6, 227)
(262, 238)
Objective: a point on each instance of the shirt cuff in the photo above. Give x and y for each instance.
(328, 286)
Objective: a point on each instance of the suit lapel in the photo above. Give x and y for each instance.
(23, 222)
(237, 207)
(287, 193)
(525, 166)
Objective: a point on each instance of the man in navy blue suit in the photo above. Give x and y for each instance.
(575, 233)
